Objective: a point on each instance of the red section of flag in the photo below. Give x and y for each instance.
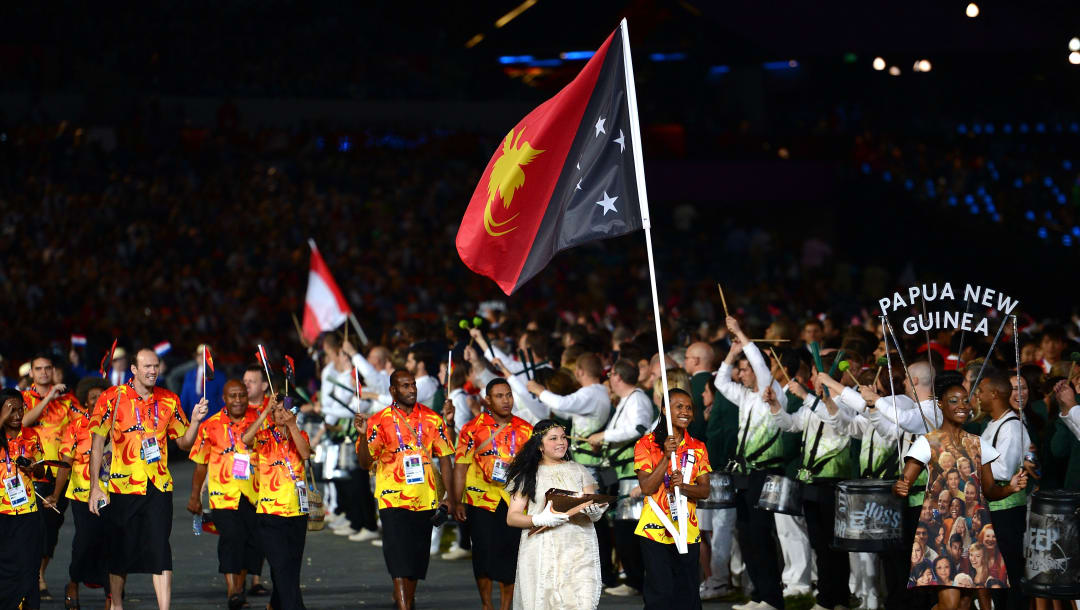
(208, 361)
(107, 360)
(324, 305)
(509, 203)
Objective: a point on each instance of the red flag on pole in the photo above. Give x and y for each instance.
(107, 360)
(324, 305)
(563, 176)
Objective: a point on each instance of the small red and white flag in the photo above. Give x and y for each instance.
(324, 306)
(78, 340)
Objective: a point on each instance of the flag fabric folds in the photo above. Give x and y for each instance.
(324, 305)
(562, 177)
(107, 360)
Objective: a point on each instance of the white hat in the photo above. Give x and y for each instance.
(119, 353)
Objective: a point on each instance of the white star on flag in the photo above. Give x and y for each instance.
(608, 203)
(578, 187)
(622, 142)
(600, 127)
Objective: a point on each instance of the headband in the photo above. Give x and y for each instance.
(544, 430)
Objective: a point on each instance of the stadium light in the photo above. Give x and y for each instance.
(923, 65)
(1074, 58)
(1074, 44)
(879, 64)
(894, 71)
(972, 10)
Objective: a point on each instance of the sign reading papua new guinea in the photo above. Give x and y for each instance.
(944, 317)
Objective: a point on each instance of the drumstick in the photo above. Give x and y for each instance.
(52, 506)
(299, 331)
(723, 301)
(780, 364)
(845, 366)
(770, 340)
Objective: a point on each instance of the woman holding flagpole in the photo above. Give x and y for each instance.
(559, 566)
(671, 576)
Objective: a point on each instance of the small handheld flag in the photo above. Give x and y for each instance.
(78, 340)
(290, 372)
(260, 355)
(162, 348)
(208, 367)
(107, 360)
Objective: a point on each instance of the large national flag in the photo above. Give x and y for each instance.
(563, 176)
(324, 306)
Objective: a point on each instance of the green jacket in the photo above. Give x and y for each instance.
(699, 427)
(1065, 448)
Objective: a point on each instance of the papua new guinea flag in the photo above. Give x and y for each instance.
(563, 176)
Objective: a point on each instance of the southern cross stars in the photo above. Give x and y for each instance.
(608, 203)
(600, 126)
(621, 141)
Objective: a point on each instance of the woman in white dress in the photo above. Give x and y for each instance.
(558, 567)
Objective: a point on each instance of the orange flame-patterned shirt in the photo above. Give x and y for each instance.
(53, 420)
(216, 445)
(692, 455)
(26, 444)
(121, 412)
(391, 435)
(76, 446)
(279, 467)
(481, 490)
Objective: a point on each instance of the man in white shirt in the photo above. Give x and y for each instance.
(616, 441)
(338, 404)
(920, 419)
(515, 371)
(374, 370)
(1007, 433)
(420, 362)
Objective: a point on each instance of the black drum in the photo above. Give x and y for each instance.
(780, 494)
(721, 492)
(1052, 545)
(869, 518)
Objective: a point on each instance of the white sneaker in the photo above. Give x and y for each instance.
(363, 536)
(750, 605)
(456, 552)
(344, 531)
(623, 590)
(376, 542)
(713, 591)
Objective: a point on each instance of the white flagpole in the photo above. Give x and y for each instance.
(204, 370)
(646, 223)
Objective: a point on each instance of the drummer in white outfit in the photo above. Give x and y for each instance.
(514, 370)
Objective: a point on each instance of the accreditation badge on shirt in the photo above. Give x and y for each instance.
(301, 494)
(498, 471)
(241, 466)
(150, 451)
(414, 469)
(16, 491)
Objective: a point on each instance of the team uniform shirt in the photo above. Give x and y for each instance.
(278, 470)
(402, 445)
(1010, 438)
(53, 420)
(76, 446)
(877, 451)
(260, 405)
(693, 459)
(632, 418)
(588, 409)
(488, 448)
(229, 464)
(825, 452)
(758, 443)
(19, 486)
(134, 422)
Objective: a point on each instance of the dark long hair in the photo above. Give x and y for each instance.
(522, 474)
(5, 395)
(660, 431)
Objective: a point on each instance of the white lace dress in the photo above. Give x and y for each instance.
(559, 568)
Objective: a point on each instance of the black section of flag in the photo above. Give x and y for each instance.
(596, 196)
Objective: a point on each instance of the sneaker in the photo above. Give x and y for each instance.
(714, 591)
(456, 552)
(364, 535)
(376, 542)
(751, 605)
(622, 591)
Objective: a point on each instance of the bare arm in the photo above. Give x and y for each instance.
(699, 490)
(994, 491)
(446, 468)
(31, 416)
(62, 475)
(515, 516)
(194, 504)
(249, 434)
(460, 471)
(298, 438)
(97, 450)
(197, 414)
(912, 468)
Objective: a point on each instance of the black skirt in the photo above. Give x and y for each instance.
(494, 543)
(406, 541)
(20, 557)
(238, 541)
(89, 547)
(139, 529)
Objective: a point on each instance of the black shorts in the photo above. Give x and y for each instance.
(406, 541)
(238, 541)
(494, 543)
(139, 532)
(88, 546)
(20, 558)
